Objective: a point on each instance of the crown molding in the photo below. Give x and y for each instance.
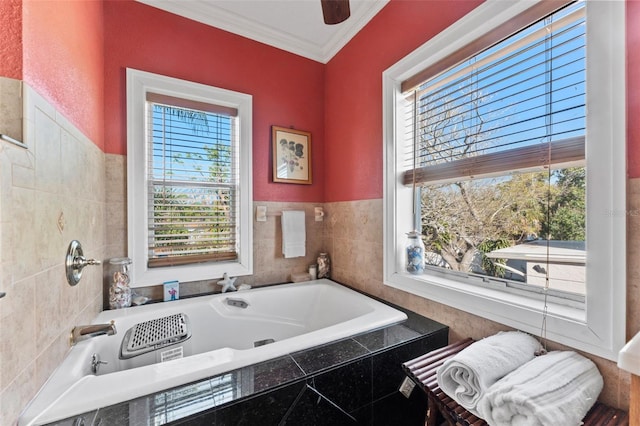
(365, 13)
(208, 13)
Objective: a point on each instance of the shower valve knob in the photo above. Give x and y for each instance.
(75, 262)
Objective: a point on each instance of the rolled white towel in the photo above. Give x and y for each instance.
(466, 376)
(554, 389)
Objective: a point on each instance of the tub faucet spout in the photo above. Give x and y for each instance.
(82, 332)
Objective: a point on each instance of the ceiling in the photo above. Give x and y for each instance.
(292, 25)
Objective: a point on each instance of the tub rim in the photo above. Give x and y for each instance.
(154, 378)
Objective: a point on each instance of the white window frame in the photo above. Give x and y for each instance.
(138, 84)
(599, 328)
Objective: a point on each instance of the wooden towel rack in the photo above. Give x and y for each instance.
(422, 371)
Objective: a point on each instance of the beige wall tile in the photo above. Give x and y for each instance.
(62, 171)
(269, 264)
(18, 333)
(15, 395)
(17, 233)
(353, 238)
(47, 153)
(11, 108)
(49, 359)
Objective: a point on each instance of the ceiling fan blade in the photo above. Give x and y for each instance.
(335, 11)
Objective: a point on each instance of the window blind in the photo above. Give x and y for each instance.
(519, 105)
(193, 181)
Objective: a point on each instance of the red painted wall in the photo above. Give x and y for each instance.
(57, 47)
(64, 59)
(633, 88)
(11, 39)
(287, 90)
(353, 102)
(353, 108)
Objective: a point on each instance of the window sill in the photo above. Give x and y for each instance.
(144, 276)
(566, 325)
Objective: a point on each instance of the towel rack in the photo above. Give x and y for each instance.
(261, 213)
(422, 371)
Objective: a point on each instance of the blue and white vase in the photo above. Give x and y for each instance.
(415, 253)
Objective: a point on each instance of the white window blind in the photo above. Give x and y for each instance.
(519, 105)
(192, 181)
(479, 133)
(597, 327)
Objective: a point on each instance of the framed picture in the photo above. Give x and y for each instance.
(291, 155)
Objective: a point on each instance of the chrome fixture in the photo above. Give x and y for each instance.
(82, 332)
(13, 141)
(263, 342)
(75, 262)
(238, 303)
(95, 363)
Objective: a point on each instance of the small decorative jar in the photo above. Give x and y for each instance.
(313, 271)
(324, 266)
(415, 253)
(119, 290)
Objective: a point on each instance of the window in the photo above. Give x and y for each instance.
(514, 143)
(499, 154)
(189, 180)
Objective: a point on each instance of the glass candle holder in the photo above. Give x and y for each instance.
(119, 289)
(324, 266)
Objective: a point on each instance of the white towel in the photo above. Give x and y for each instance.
(293, 233)
(558, 388)
(467, 375)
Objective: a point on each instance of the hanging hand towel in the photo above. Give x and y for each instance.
(293, 233)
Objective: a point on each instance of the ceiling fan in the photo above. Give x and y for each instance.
(335, 11)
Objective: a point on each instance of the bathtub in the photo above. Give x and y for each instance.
(226, 331)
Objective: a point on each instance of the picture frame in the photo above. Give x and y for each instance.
(291, 155)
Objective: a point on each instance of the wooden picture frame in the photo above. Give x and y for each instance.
(291, 155)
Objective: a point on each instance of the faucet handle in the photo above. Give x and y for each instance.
(80, 262)
(75, 262)
(96, 362)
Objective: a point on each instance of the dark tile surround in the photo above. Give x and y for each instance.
(353, 381)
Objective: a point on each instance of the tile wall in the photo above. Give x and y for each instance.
(64, 188)
(269, 265)
(50, 194)
(354, 240)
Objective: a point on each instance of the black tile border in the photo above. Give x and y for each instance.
(282, 372)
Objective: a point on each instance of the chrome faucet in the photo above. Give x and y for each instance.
(82, 332)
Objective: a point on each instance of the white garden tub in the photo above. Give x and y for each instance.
(277, 320)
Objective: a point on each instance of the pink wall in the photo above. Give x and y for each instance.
(287, 90)
(64, 59)
(353, 104)
(353, 100)
(11, 39)
(58, 47)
